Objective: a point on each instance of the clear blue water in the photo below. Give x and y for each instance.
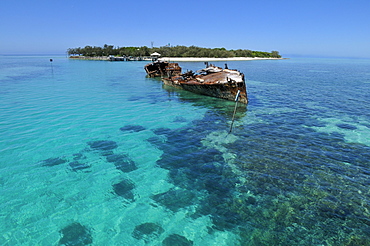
(93, 152)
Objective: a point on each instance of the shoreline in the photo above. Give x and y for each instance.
(180, 59)
(203, 59)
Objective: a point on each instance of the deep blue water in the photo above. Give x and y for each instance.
(95, 153)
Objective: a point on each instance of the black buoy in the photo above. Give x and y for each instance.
(51, 65)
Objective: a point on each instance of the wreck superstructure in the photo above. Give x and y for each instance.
(162, 69)
(212, 81)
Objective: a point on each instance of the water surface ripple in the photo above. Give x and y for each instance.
(95, 153)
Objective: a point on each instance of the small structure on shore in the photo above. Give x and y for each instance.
(155, 56)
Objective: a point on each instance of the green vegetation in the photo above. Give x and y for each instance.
(169, 51)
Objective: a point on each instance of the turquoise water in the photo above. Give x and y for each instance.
(95, 153)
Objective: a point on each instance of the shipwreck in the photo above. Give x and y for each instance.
(212, 81)
(162, 69)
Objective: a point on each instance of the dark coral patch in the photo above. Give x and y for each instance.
(124, 189)
(78, 156)
(199, 170)
(132, 128)
(175, 199)
(162, 131)
(106, 152)
(147, 231)
(346, 126)
(53, 162)
(313, 122)
(122, 162)
(176, 240)
(179, 119)
(78, 166)
(102, 145)
(155, 140)
(75, 234)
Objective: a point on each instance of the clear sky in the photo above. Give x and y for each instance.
(338, 28)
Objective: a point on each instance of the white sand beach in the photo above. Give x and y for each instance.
(192, 59)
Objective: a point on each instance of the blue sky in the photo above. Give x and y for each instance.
(300, 28)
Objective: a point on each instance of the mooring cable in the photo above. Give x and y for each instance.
(236, 105)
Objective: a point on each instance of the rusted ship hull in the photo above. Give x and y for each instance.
(223, 91)
(223, 83)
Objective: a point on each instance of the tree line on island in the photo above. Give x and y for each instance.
(168, 51)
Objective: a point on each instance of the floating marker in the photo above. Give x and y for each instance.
(237, 96)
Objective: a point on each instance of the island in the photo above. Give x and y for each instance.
(173, 53)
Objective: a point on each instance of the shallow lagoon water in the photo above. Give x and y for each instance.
(92, 152)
